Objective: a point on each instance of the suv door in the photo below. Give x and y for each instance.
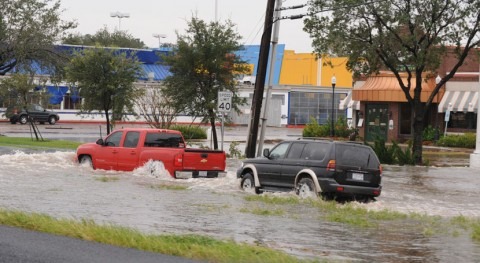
(37, 113)
(292, 164)
(270, 169)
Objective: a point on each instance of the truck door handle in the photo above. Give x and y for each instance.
(204, 155)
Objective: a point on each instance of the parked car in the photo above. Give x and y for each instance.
(127, 149)
(331, 169)
(36, 112)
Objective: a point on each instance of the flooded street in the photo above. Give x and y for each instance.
(52, 183)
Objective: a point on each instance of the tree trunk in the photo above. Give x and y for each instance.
(417, 136)
(214, 130)
(108, 121)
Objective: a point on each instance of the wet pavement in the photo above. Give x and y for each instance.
(52, 183)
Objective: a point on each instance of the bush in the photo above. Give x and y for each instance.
(190, 132)
(468, 140)
(393, 154)
(429, 133)
(313, 129)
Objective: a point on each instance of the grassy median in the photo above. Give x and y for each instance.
(33, 143)
(188, 246)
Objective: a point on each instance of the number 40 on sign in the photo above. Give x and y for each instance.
(224, 101)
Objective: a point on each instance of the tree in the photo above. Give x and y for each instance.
(403, 36)
(28, 30)
(17, 90)
(105, 39)
(157, 108)
(203, 63)
(105, 79)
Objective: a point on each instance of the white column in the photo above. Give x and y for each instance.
(475, 156)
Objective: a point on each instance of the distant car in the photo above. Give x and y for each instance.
(36, 112)
(331, 169)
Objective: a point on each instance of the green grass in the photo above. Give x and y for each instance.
(358, 216)
(188, 246)
(172, 187)
(106, 179)
(33, 143)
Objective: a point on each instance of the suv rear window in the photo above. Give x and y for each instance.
(356, 155)
(163, 140)
(315, 151)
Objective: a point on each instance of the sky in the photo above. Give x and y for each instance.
(149, 17)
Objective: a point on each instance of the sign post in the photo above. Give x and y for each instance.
(224, 104)
(447, 118)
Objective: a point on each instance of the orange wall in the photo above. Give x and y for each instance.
(298, 69)
(338, 68)
(303, 69)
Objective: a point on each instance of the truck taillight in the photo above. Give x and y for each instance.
(331, 166)
(178, 160)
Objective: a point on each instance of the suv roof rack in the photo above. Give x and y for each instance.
(315, 139)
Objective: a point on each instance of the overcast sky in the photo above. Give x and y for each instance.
(165, 17)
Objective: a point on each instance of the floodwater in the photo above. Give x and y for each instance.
(53, 183)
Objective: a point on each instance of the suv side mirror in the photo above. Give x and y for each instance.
(99, 141)
(266, 152)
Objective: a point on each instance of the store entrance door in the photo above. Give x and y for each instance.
(376, 122)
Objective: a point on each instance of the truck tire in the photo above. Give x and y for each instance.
(306, 188)
(86, 160)
(248, 184)
(23, 119)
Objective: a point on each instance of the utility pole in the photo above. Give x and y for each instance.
(260, 81)
(273, 54)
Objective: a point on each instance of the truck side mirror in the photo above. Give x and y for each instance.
(100, 141)
(266, 152)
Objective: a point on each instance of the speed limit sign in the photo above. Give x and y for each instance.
(224, 103)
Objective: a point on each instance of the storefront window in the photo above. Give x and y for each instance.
(317, 105)
(463, 120)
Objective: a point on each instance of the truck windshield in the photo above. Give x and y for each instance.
(164, 140)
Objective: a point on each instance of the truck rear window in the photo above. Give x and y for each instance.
(164, 140)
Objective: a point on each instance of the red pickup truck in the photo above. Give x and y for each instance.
(127, 149)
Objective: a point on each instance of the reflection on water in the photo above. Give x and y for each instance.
(53, 183)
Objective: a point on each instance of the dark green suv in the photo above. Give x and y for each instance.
(35, 112)
(315, 167)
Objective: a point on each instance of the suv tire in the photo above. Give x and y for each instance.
(52, 120)
(306, 188)
(23, 119)
(248, 184)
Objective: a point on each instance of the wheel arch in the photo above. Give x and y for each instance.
(251, 168)
(308, 173)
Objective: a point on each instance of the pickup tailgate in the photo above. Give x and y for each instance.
(203, 163)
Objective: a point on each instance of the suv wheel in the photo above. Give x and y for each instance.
(248, 184)
(52, 120)
(306, 188)
(23, 119)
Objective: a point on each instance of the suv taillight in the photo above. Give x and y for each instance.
(331, 166)
(178, 160)
(380, 168)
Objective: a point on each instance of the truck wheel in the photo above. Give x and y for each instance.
(52, 120)
(86, 160)
(306, 188)
(23, 119)
(248, 184)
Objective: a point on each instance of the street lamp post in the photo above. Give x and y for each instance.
(437, 131)
(159, 36)
(332, 128)
(120, 15)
